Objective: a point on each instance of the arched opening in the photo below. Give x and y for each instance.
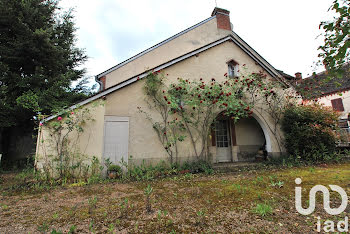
(245, 140)
(250, 139)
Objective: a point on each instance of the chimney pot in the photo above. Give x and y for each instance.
(298, 76)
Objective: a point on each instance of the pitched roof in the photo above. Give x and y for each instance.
(153, 47)
(234, 38)
(321, 84)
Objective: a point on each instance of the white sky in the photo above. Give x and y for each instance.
(283, 32)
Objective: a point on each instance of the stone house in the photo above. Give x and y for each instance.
(206, 50)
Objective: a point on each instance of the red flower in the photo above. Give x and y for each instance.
(59, 118)
(169, 103)
(193, 108)
(164, 133)
(201, 101)
(138, 78)
(225, 74)
(212, 79)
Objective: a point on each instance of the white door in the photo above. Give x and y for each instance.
(116, 139)
(223, 145)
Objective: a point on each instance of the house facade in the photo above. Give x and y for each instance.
(205, 50)
(334, 93)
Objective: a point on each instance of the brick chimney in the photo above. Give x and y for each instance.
(222, 18)
(298, 77)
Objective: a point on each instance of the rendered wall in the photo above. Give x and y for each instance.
(143, 141)
(327, 101)
(250, 138)
(88, 144)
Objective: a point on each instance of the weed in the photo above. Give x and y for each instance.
(43, 228)
(148, 191)
(278, 184)
(111, 228)
(200, 216)
(72, 229)
(91, 226)
(55, 216)
(159, 215)
(263, 209)
(5, 207)
(124, 207)
(54, 231)
(92, 204)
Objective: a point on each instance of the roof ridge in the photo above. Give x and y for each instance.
(153, 47)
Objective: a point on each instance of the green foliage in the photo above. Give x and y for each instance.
(263, 209)
(39, 60)
(309, 131)
(72, 229)
(200, 166)
(189, 108)
(92, 204)
(115, 168)
(148, 191)
(335, 50)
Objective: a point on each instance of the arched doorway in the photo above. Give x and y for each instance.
(240, 141)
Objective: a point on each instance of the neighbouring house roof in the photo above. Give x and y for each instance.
(321, 84)
(286, 76)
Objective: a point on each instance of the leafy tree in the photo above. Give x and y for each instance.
(335, 52)
(38, 61)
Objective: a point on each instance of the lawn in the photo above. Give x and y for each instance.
(241, 201)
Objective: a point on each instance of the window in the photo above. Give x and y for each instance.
(337, 104)
(233, 69)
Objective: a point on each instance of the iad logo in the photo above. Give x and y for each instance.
(326, 202)
(328, 224)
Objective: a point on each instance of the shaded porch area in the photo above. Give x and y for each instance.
(243, 141)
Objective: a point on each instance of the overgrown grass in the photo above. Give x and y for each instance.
(250, 201)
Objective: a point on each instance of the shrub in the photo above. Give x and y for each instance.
(200, 166)
(115, 168)
(309, 131)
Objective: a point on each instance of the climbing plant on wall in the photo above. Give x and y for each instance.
(188, 108)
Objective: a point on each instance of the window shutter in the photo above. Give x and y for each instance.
(337, 104)
(213, 138)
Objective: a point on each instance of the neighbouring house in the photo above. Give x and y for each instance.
(207, 49)
(329, 91)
